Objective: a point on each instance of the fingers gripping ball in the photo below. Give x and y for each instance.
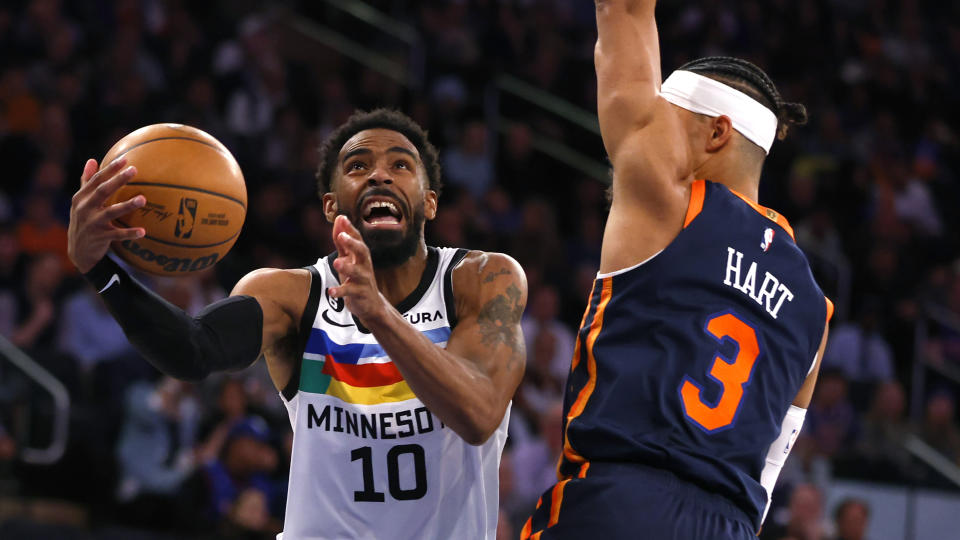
(196, 199)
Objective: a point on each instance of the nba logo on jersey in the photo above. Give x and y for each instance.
(767, 239)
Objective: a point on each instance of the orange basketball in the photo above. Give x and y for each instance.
(196, 199)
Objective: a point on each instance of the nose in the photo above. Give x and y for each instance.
(379, 176)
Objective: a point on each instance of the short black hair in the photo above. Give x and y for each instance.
(377, 119)
(748, 78)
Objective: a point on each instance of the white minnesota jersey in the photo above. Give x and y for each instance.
(369, 460)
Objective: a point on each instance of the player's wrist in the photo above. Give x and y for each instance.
(379, 316)
(102, 272)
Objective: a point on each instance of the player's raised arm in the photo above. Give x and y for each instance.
(627, 58)
(468, 384)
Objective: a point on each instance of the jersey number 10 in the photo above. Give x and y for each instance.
(370, 493)
(732, 373)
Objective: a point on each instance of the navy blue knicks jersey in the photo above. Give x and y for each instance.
(689, 361)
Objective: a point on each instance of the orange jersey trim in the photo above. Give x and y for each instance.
(525, 531)
(698, 191)
(829, 309)
(585, 392)
(556, 499)
(772, 215)
(583, 321)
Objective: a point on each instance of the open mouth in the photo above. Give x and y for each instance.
(381, 212)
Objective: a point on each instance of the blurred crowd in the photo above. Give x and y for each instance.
(870, 186)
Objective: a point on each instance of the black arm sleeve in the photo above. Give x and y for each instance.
(226, 335)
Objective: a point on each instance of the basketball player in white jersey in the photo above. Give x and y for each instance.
(396, 360)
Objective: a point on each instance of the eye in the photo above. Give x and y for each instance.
(356, 165)
(402, 164)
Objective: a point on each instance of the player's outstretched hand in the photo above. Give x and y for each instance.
(91, 222)
(358, 285)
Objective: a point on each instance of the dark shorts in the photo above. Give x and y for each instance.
(614, 501)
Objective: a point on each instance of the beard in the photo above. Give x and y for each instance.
(389, 249)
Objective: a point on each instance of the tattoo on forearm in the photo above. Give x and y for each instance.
(498, 323)
(494, 275)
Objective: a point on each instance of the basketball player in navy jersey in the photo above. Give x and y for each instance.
(699, 349)
(397, 361)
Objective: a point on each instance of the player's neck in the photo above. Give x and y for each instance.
(398, 282)
(746, 186)
(734, 169)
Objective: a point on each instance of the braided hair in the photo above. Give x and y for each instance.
(753, 81)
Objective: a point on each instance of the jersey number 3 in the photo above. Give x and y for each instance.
(732, 373)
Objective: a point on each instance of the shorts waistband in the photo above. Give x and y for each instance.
(674, 483)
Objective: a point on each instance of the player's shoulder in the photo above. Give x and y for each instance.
(486, 266)
(760, 214)
(281, 285)
(483, 272)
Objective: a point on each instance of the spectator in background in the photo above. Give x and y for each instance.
(542, 318)
(468, 164)
(802, 519)
(536, 243)
(447, 229)
(585, 247)
(251, 107)
(859, 350)
(521, 170)
(8, 447)
(535, 459)
(945, 347)
(50, 180)
(231, 408)
(884, 430)
(513, 506)
(88, 331)
(577, 294)
(38, 303)
(191, 293)
(10, 259)
(41, 231)
(243, 494)
(939, 429)
(539, 390)
(198, 108)
(549, 345)
(913, 203)
(831, 421)
(501, 215)
(851, 519)
(156, 455)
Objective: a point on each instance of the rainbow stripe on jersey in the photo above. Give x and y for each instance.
(359, 373)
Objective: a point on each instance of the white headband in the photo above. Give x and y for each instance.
(703, 95)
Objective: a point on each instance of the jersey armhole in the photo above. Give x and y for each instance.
(698, 191)
(448, 300)
(306, 324)
(816, 355)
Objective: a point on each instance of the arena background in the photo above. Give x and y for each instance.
(507, 91)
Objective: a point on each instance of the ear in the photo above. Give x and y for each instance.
(721, 130)
(330, 206)
(430, 204)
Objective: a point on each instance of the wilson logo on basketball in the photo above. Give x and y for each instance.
(169, 264)
(186, 218)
